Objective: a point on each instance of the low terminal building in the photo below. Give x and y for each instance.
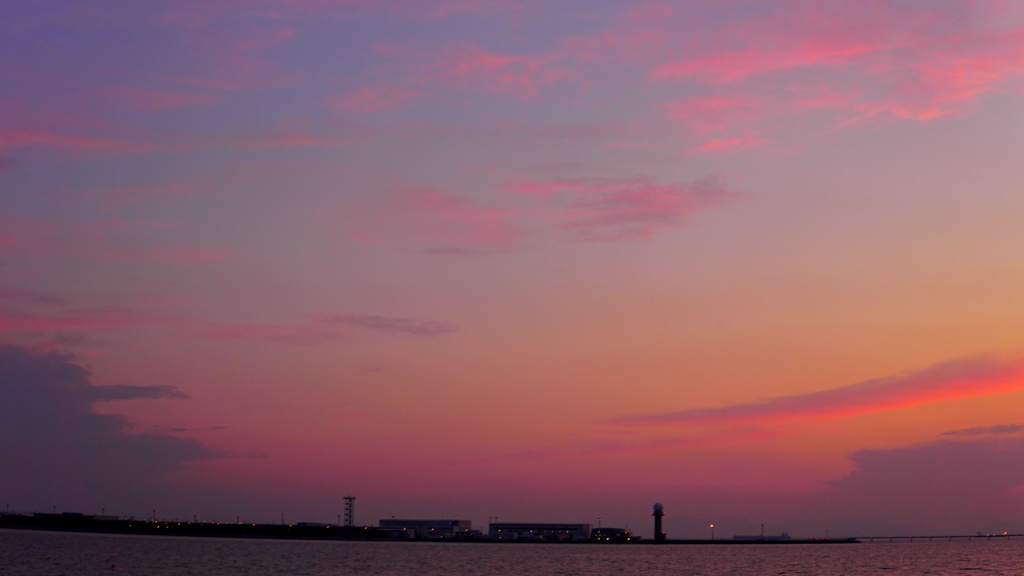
(427, 529)
(539, 532)
(764, 538)
(612, 535)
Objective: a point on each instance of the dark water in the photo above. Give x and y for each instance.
(56, 554)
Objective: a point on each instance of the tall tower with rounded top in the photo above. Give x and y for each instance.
(659, 511)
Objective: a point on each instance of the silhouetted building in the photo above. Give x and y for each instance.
(427, 529)
(541, 532)
(611, 535)
(764, 538)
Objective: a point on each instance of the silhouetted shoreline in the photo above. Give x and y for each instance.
(71, 522)
(110, 525)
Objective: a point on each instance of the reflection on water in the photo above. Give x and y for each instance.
(25, 553)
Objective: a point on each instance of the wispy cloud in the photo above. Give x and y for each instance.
(732, 144)
(179, 430)
(133, 392)
(371, 99)
(197, 13)
(13, 139)
(291, 139)
(619, 446)
(947, 381)
(765, 69)
(741, 424)
(437, 222)
(7, 240)
(479, 68)
(987, 430)
(447, 8)
(112, 240)
(32, 297)
(157, 100)
(97, 319)
(326, 328)
(394, 325)
(61, 341)
(592, 209)
(8, 164)
(298, 335)
(574, 209)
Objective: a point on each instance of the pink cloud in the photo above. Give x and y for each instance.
(371, 99)
(952, 78)
(8, 240)
(823, 65)
(177, 255)
(731, 144)
(29, 297)
(326, 328)
(308, 335)
(108, 199)
(181, 255)
(942, 382)
(152, 100)
(797, 35)
(475, 67)
(719, 112)
(611, 447)
(590, 209)
(86, 111)
(393, 325)
(81, 319)
(198, 13)
(112, 240)
(446, 8)
(11, 139)
(739, 65)
(742, 424)
(441, 223)
(580, 209)
(240, 62)
(8, 164)
(286, 138)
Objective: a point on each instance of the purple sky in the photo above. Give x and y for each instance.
(534, 260)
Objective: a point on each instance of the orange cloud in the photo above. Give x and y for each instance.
(947, 381)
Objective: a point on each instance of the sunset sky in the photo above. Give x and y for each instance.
(534, 260)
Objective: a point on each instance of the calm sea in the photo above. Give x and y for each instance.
(56, 554)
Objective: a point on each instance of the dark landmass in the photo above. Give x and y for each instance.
(74, 522)
(763, 542)
(70, 522)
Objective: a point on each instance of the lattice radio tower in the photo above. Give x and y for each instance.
(350, 511)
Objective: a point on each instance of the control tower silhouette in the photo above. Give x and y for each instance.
(659, 511)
